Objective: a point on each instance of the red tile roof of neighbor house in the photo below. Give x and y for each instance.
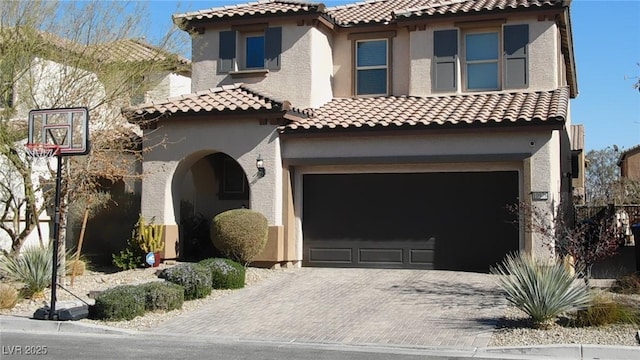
(403, 111)
(577, 137)
(373, 11)
(131, 50)
(373, 112)
(223, 99)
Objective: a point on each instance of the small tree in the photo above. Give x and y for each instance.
(587, 242)
(604, 184)
(67, 54)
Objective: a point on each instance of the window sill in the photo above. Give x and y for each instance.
(249, 73)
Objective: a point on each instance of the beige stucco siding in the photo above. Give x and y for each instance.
(342, 63)
(188, 140)
(543, 46)
(304, 77)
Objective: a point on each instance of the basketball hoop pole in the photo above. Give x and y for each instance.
(56, 236)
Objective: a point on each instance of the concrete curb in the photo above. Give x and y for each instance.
(17, 323)
(572, 351)
(562, 351)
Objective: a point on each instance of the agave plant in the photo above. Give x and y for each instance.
(32, 267)
(543, 291)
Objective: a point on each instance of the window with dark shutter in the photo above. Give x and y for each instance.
(516, 40)
(250, 48)
(272, 47)
(227, 51)
(445, 51)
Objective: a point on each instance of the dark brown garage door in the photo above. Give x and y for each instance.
(453, 221)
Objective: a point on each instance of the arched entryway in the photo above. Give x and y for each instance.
(205, 184)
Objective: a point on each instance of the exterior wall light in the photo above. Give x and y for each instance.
(260, 166)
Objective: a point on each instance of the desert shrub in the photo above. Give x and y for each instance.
(163, 295)
(8, 296)
(628, 284)
(123, 302)
(195, 279)
(605, 310)
(33, 268)
(225, 273)
(240, 234)
(543, 291)
(80, 266)
(131, 257)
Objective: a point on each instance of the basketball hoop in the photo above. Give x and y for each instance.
(41, 151)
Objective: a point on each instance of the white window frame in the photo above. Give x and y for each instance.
(373, 67)
(498, 61)
(241, 49)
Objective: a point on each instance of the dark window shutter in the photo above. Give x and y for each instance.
(272, 47)
(227, 51)
(445, 51)
(516, 40)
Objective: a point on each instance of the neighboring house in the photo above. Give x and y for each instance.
(391, 133)
(39, 85)
(578, 164)
(629, 164)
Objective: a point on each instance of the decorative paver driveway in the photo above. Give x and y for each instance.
(355, 306)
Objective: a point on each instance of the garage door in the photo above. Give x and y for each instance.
(453, 221)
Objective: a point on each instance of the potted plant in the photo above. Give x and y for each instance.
(150, 237)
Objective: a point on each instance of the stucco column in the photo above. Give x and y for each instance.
(543, 181)
(157, 202)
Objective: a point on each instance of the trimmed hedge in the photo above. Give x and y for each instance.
(163, 295)
(225, 273)
(240, 234)
(123, 302)
(195, 279)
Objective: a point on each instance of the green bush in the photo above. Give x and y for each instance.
(240, 234)
(542, 291)
(123, 302)
(129, 258)
(162, 295)
(605, 310)
(195, 279)
(225, 273)
(33, 268)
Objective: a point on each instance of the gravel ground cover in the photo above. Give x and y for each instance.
(514, 330)
(101, 280)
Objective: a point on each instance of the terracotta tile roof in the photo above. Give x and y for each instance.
(224, 99)
(386, 11)
(577, 137)
(135, 50)
(263, 7)
(403, 111)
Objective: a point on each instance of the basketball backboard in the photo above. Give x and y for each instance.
(67, 129)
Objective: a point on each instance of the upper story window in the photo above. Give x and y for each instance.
(371, 67)
(254, 51)
(481, 61)
(255, 48)
(491, 59)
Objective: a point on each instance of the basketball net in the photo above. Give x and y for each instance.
(41, 151)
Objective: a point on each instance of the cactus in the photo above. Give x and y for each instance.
(150, 236)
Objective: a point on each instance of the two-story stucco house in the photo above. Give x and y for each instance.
(389, 133)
